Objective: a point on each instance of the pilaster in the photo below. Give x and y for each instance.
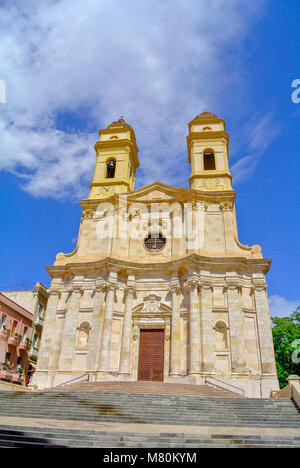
(48, 329)
(236, 319)
(194, 326)
(207, 324)
(175, 326)
(70, 329)
(107, 328)
(96, 325)
(264, 327)
(125, 359)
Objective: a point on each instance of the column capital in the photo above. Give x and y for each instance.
(129, 289)
(111, 287)
(259, 285)
(233, 285)
(226, 206)
(175, 211)
(100, 286)
(174, 288)
(205, 284)
(55, 291)
(191, 283)
(76, 288)
(174, 284)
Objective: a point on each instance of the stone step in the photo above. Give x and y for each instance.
(35, 437)
(212, 423)
(192, 403)
(147, 387)
(141, 405)
(153, 409)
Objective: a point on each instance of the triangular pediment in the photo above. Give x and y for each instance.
(155, 191)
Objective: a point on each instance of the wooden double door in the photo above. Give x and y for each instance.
(151, 355)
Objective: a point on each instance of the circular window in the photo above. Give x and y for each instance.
(155, 241)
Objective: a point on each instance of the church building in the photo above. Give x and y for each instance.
(159, 288)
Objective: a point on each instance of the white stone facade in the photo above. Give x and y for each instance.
(203, 288)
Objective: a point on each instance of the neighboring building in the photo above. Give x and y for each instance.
(15, 332)
(34, 301)
(159, 286)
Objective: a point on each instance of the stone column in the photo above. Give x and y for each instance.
(57, 342)
(175, 366)
(96, 326)
(85, 228)
(135, 350)
(207, 330)
(200, 230)
(70, 329)
(236, 328)
(190, 232)
(107, 327)
(127, 332)
(194, 331)
(48, 330)
(167, 338)
(40, 377)
(264, 328)
(229, 235)
(35, 302)
(177, 235)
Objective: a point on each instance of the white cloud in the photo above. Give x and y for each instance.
(156, 63)
(282, 307)
(262, 132)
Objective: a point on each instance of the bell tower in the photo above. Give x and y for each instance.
(208, 153)
(116, 161)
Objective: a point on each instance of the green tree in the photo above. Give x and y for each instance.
(286, 337)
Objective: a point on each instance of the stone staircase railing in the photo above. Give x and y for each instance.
(292, 390)
(80, 378)
(224, 385)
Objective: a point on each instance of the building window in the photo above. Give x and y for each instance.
(40, 311)
(24, 336)
(7, 358)
(209, 163)
(35, 340)
(110, 169)
(14, 327)
(2, 321)
(155, 241)
(19, 363)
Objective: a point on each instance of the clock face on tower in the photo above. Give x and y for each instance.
(107, 190)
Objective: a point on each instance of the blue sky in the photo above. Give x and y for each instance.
(72, 67)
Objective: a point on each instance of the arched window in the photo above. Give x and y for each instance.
(221, 336)
(110, 169)
(209, 161)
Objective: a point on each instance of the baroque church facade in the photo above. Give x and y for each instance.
(159, 288)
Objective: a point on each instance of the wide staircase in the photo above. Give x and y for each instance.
(148, 415)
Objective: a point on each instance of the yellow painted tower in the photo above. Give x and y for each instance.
(208, 153)
(116, 161)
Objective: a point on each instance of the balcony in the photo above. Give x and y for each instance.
(38, 321)
(23, 346)
(10, 375)
(33, 352)
(13, 341)
(3, 334)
